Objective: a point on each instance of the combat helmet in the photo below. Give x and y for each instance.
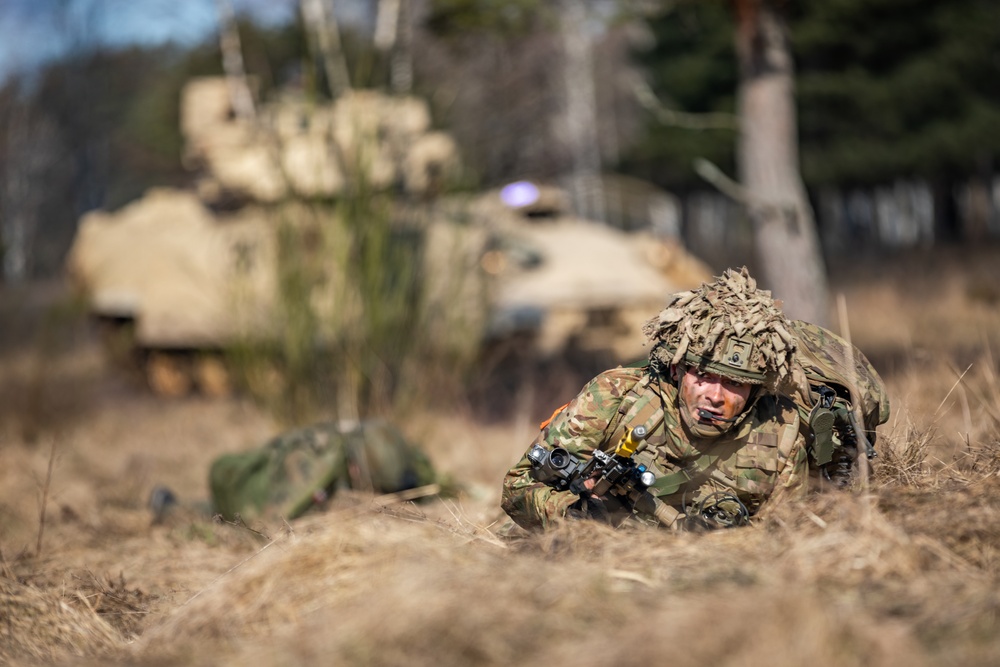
(730, 328)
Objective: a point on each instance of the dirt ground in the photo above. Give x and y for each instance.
(908, 574)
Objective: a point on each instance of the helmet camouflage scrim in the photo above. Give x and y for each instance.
(727, 327)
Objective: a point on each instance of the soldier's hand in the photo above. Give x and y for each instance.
(589, 507)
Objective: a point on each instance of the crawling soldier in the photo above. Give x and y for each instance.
(723, 438)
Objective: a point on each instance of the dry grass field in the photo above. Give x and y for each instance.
(906, 574)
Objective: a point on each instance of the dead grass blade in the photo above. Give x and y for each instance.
(38, 626)
(44, 498)
(957, 382)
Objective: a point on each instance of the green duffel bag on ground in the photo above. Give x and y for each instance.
(301, 469)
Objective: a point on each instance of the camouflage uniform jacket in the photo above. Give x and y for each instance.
(761, 458)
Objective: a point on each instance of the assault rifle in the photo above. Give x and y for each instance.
(619, 475)
(616, 473)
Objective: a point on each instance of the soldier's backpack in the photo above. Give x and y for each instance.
(836, 383)
(300, 469)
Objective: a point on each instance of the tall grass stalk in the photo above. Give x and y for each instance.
(360, 308)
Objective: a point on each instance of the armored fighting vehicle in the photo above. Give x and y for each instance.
(573, 283)
(186, 274)
(182, 274)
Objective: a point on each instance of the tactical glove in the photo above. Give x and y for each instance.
(589, 507)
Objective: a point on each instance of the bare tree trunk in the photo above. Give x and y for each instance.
(386, 24)
(232, 62)
(581, 110)
(784, 228)
(324, 25)
(394, 34)
(30, 150)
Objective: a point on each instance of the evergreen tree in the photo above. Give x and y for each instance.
(886, 89)
(892, 88)
(691, 67)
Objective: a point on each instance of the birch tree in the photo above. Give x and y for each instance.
(232, 62)
(324, 35)
(394, 36)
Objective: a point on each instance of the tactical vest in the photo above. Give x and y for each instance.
(745, 463)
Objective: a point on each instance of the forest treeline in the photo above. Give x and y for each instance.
(888, 92)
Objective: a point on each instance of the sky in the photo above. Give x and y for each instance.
(34, 31)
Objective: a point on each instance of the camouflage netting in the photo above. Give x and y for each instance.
(701, 326)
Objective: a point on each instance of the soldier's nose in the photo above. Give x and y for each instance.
(713, 391)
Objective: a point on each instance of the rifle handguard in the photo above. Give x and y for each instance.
(615, 473)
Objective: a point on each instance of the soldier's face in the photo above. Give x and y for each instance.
(711, 398)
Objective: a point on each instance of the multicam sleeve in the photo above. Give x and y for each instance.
(793, 476)
(580, 427)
